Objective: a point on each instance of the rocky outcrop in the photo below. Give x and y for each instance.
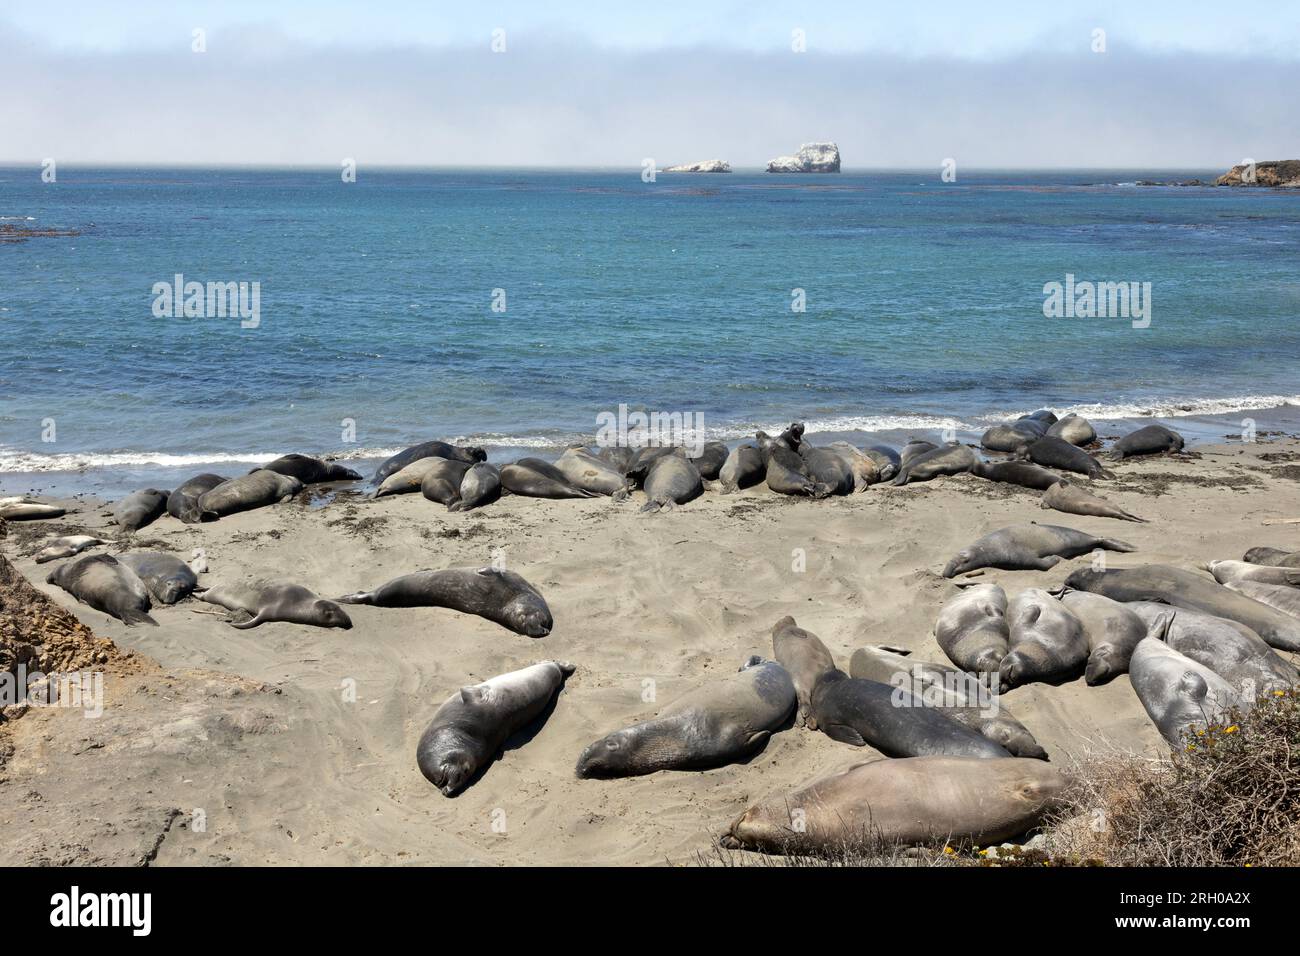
(811, 158)
(706, 166)
(1284, 173)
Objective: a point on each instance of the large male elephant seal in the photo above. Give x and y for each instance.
(1069, 498)
(1077, 431)
(408, 480)
(497, 595)
(140, 508)
(1179, 695)
(887, 460)
(469, 729)
(786, 472)
(183, 503)
(1229, 572)
(807, 660)
(914, 449)
(1021, 473)
(830, 468)
(1113, 631)
(100, 581)
(950, 459)
(168, 578)
(972, 629)
(865, 468)
(743, 468)
(962, 697)
(1150, 440)
(534, 478)
(1047, 641)
(720, 723)
(1169, 585)
(617, 456)
(310, 471)
(710, 460)
(1053, 452)
(480, 486)
(1283, 597)
(1011, 435)
(584, 470)
(66, 547)
(428, 449)
(257, 489)
(672, 481)
(1274, 557)
(902, 802)
(1029, 547)
(264, 601)
(792, 437)
(442, 481)
(20, 509)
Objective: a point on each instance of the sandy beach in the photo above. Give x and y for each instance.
(260, 731)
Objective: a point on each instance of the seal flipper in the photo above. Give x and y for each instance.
(844, 734)
(1114, 544)
(249, 623)
(357, 597)
(137, 617)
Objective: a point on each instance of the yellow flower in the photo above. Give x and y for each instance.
(949, 851)
(1230, 730)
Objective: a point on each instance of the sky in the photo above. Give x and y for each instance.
(997, 84)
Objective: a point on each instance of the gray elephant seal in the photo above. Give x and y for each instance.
(951, 459)
(1274, 557)
(1227, 572)
(168, 578)
(1280, 596)
(140, 508)
(743, 468)
(1113, 631)
(442, 480)
(266, 601)
(1054, 452)
(1047, 641)
(1179, 695)
(584, 470)
(534, 478)
(1029, 547)
(1010, 436)
(865, 468)
(1077, 431)
(672, 481)
(257, 489)
(887, 460)
(1069, 498)
(66, 547)
(972, 629)
(20, 509)
(1169, 585)
(428, 449)
(408, 480)
(828, 467)
(502, 597)
(960, 696)
(786, 472)
(807, 660)
(619, 457)
(472, 725)
(101, 582)
(903, 802)
(480, 486)
(914, 449)
(183, 503)
(710, 461)
(1020, 473)
(310, 471)
(1151, 440)
(792, 437)
(723, 722)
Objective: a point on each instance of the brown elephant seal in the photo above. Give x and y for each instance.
(1282, 597)
(168, 578)
(950, 459)
(534, 478)
(66, 547)
(1151, 440)
(972, 629)
(1069, 498)
(480, 486)
(1112, 630)
(830, 468)
(903, 802)
(502, 597)
(1011, 435)
(1048, 644)
(1053, 452)
(1074, 429)
(806, 658)
(584, 470)
(786, 472)
(101, 582)
(257, 489)
(21, 509)
(1228, 572)
(619, 457)
(887, 460)
(710, 460)
(1178, 694)
(1181, 588)
(259, 602)
(310, 471)
(183, 503)
(1274, 557)
(140, 508)
(743, 468)
(408, 480)
(671, 481)
(442, 480)
(914, 449)
(1029, 547)
(865, 468)
(1022, 473)
(962, 697)
(470, 728)
(725, 721)
(428, 449)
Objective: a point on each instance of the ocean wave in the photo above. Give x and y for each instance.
(25, 461)
(1162, 408)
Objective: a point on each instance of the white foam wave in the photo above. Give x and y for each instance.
(1162, 408)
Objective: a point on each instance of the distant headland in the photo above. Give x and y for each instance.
(810, 158)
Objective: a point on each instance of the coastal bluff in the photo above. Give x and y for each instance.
(1282, 173)
(705, 166)
(810, 158)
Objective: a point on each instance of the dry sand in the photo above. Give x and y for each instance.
(257, 730)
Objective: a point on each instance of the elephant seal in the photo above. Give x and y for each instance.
(1069, 498)
(480, 486)
(265, 601)
(1010, 436)
(140, 508)
(1283, 597)
(1021, 473)
(1044, 415)
(950, 459)
(1077, 431)
(887, 460)
(1179, 695)
(827, 467)
(100, 581)
(257, 489)
(502, 597)
(807, 660)
(1029, 547)
(862, 712)
(1150, 440)
(792, 437)
(786, 472)
(914, 449)
(584, 470)
(1226, 572)
(20, 509)
(66, 547)
(960, 696)
(469, 729)
(1054, 452)
(183, 503)
(743, 468)
(620, 457)
(168, 578)
(310, 471)
(725, 721)
(534, 478)
(672, 481)
(1047, 642)
(710, 460)
(1169, 585)
(865, 468)
(1274, 557)
(441, 482)
(1112, 630)
(972, 629)
(408, 480)
(428, 449)
(903, 802)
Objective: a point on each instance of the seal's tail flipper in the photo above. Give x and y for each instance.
(650, 507)
(137, 617)
(358, 597)
(1125, 516)
(1114, 544)
(251, 622)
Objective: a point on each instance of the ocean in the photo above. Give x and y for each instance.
(511, 308)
